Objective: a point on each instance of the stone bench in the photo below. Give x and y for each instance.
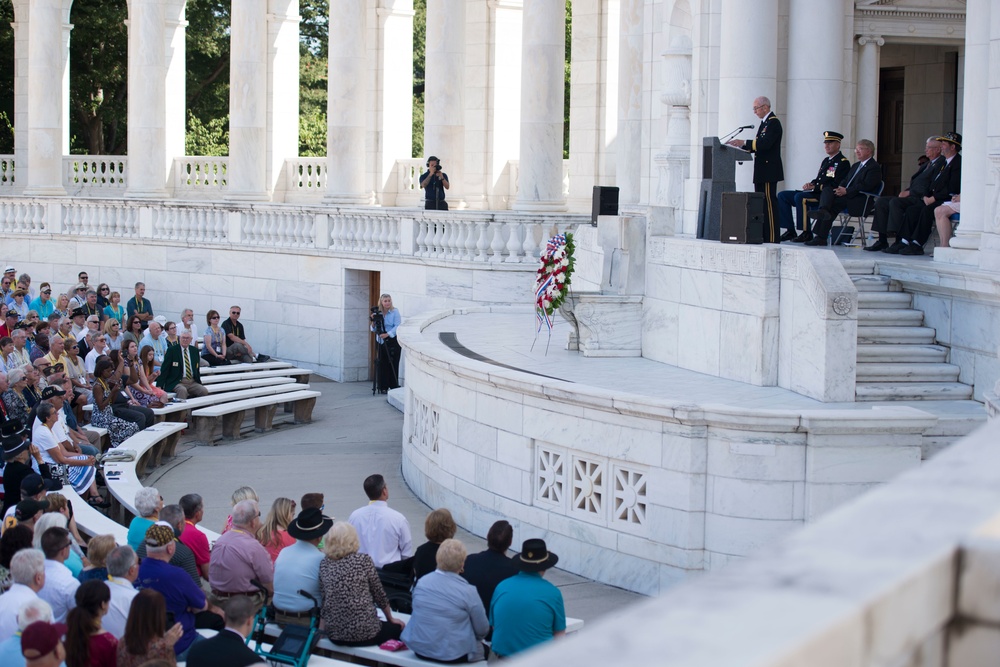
(103, 432)
(229, 416)
(236, 384)
(149, 445)
(300, 374)
(91, 520)
(314, 660)
(239, 368)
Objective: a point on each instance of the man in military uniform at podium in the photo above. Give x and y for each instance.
(831, 172)
(767, 167)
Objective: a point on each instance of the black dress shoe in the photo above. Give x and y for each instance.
(912, 249)
(895, 248)
(878, 245)
(819, 240)
(787, 236)
(803, 237)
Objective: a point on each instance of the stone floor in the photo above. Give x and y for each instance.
(353, 434)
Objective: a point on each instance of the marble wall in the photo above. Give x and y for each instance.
(631, 491)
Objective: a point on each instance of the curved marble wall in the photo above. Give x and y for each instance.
(628, 490)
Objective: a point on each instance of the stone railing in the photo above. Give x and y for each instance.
(408, 182)
(6, 172)
(305, 179)
(95, 175)
(197, 177)
(465, 236)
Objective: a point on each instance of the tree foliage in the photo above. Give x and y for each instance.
(6, 77)
(419, 60)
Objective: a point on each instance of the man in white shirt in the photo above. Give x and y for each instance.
(123, 570)
(155, 338)
(27, 568)
(384, 533)
(60, 584)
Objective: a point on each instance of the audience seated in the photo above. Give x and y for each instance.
(488, 568)
(97, 553)
(88, 644)
(27, 569)
(238, 559)
(195, 539)
(74, 561)
(352, 592)
(172, 516)
(148, 502)
(41, 645)
(59, 588)
(297, 567)
(10, 649)
(229, 648)
(144, 638)
(438, 527)
(274, 534)
(14, 539)
(123, 570)
(448, 623)
(383, 533)
(108, 391)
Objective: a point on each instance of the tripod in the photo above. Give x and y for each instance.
(384, 355)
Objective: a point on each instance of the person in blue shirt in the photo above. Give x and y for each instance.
(385, 319)
(526, 609)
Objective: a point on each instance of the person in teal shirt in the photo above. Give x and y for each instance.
(44, 304)
(527, 610)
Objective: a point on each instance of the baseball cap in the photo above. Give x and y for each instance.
(41, 638)
(29, 508)
(33, 484)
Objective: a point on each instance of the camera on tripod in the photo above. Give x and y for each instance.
(378, 320)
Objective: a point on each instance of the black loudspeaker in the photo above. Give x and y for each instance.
(742, 217)
(605, 202)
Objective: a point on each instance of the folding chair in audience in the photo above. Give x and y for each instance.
(867, 211)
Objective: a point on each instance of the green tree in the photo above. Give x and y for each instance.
(313, 76)
(208, 77)
(98, 70)
(419, 56)
(566, 77)
(6, 77)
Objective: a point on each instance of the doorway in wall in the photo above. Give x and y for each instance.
(357, 337)
(889, 146)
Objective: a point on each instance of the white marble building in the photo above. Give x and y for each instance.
(768, 401)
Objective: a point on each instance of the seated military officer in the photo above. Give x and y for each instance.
(832, 170)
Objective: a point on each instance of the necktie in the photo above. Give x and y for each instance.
(187, 364)
(854, 172)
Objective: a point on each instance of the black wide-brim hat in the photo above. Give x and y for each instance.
(534, 556)
(310, 524)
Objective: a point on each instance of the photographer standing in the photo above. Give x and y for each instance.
(384, 321)
(434, 182)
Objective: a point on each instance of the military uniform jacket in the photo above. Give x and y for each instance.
(767, 167)
(831, 171)
(947, 181)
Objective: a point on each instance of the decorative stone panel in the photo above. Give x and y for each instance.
(628, 493)
(425, 426)
(550, 476)
(589, 489)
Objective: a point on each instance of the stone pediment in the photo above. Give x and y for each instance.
(911, 20)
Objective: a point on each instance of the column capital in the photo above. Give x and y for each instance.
(877, 40)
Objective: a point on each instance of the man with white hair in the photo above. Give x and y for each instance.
(180, 371)
(10, 649)
(123, 570)
(27, 569)
(20, 354)
(238, 558)
(155, 338)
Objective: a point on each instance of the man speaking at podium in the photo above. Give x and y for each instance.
(767, 168)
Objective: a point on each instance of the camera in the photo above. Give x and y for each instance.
(374, 309)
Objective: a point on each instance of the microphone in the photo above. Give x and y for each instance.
(746, 127)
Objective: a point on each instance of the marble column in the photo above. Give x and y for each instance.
(347, 103)
(282, 90)
(628, 144)
(748, 68)
(543, 47)
(816, 102)
(394, 121)
(866, 125)
(20, 118)
(976, 204)
(46, 119)
(248, 120)
(444, 96)
(147, 100)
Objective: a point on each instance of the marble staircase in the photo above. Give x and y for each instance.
(898, 358)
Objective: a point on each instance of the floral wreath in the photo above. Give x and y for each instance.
(552, 279)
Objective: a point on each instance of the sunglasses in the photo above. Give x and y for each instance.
(46, 291)
(215, 317)
(234, 312)
(105, 289)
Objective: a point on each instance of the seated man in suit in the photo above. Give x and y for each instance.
(228, 648)
(179, 372)
(889, 211)
(832, 170)
(945, 182)
(864, 176)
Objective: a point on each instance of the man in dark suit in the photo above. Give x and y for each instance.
(179, 372)
(832, 170)
(890, 211)
(486, 569)
(767, 167)
(228, 648)
(864, 176)
(945, 182)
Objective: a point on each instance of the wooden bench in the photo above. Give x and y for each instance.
(374, 654)
(91, 521)
(300, 375)
(239, 368)
(227, 417)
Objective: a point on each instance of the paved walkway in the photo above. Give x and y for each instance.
(353, 435)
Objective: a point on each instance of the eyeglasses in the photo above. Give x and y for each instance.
(234, 312)
(215, 317)
(46, 291)
(105, 289)
(759, 106)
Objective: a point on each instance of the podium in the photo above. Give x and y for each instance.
(718, 167)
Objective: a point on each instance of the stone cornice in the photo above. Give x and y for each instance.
(910, 22)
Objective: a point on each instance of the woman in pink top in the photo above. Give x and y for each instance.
(274, 532)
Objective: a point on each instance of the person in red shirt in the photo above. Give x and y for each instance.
(197, 541)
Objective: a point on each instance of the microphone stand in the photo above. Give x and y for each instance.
(734, 133)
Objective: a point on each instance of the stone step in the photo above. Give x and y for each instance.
(901, 353)
(890, 317)
(871, 283)
(879, 371)
(884, 300)
(858, 267)
(912, 391)
(903, 335)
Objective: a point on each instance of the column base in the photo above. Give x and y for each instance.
(44, 191)
(554, 206)
(960, 256)
(147, 194)
(347, 200)
(233, 195)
